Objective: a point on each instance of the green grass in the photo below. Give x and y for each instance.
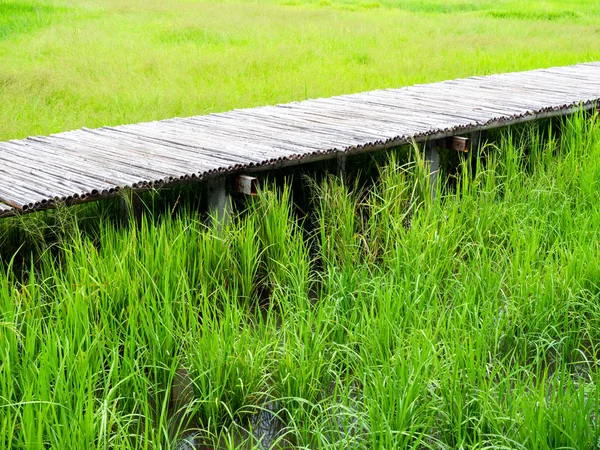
(24, 17)
(380, 319)
(351, 312)
(69, 64)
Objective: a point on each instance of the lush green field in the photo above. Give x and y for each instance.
(91, 63)
(337, 313)
(380, 319)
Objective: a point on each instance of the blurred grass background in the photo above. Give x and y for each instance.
(69, 64)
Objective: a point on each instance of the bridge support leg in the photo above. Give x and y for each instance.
(219, 201)
(341, 164)
(432, 158)
(477, 139)
(131, 206)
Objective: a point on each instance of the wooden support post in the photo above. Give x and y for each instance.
(341, 163)
(130, 206)
(432, 158)
(477, 139)
(123, 208)
(219, 202)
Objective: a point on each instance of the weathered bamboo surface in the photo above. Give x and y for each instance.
(4, 209)
(87, 164)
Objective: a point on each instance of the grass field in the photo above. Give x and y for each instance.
(353, 312)
(64, 65)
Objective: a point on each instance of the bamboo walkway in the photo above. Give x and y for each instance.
(89, 164)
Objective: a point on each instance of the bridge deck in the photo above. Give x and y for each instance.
(88, 164)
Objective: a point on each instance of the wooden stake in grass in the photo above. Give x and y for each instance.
(219, 202)
(432, 156)
(130, 206)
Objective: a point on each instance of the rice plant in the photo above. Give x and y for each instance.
(392, 321)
